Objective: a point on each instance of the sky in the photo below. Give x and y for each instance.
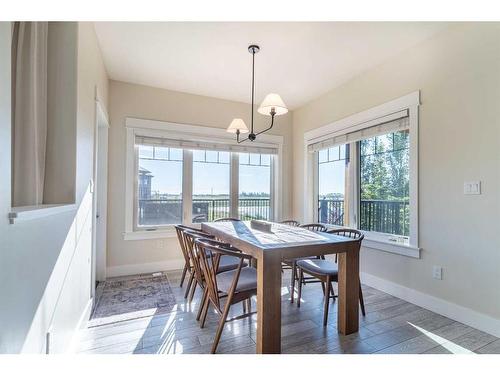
(208, 178)
(332, 177)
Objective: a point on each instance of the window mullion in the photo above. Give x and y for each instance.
(272, 192)
(354, 186)
(234, 185)
(316, 187)
(187, 187)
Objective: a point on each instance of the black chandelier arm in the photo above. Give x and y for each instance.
(238, 137)
(270, 126)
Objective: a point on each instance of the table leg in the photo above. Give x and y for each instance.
(269, 303)
(348, 309)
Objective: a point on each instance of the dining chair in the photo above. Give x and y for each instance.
(226, 263)
(237, 285)
(225, 219)
(187, 262)
(326, 272)
(316, 227)
(292, 223)
(291, 263)
(191, 263)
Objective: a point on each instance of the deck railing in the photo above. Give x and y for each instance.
(169, 211)
(375, 215)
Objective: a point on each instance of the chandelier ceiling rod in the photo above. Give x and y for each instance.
(271, 106)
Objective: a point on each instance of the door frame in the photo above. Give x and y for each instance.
(100, 195)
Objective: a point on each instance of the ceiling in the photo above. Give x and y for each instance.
(300, 60)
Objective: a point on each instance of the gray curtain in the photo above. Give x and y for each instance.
(29, 112)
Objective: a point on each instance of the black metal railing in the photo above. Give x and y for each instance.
(375, 215)
(254, 208)
(331, 211)
(385, 216)
(210, 209)
(169, 211)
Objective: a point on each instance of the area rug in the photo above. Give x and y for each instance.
(131, 298)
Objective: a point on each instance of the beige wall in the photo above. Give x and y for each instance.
(129, 100)
(45, 263)
(458, 73)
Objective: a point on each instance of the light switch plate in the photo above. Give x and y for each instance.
(472, 188)
(437, 272)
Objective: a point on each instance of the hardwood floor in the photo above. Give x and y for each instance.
(391, 325)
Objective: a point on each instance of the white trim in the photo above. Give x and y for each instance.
(409, 102)
(25, 213)
(359, 131)
(396, 248)
(136, 269)
(102, 109)
(99, 193)
(382, 110)
(149, 234)
(136, 126)
(440, 306)
(82, 323)
(196, 132)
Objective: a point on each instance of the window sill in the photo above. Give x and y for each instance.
(149, 234)
(391, 247)
(25, 213)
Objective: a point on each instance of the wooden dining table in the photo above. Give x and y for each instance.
(269, 247)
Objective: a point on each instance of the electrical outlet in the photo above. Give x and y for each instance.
(160, 244)
(437, 272)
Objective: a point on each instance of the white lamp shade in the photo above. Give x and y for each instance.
(237, 124)
(272, 101)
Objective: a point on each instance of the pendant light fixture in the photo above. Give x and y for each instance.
(272, 105)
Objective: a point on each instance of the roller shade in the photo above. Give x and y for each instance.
(203, 145)
(387, 124)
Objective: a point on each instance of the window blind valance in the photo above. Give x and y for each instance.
(388, 124)
(205, 145)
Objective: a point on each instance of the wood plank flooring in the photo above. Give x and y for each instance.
(390, 326)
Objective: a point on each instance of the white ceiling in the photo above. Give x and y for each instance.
(300, 61)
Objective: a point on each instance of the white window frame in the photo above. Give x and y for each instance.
(358, 121)
(153, 128)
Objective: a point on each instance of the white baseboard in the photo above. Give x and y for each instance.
(82, 322)
(440, 306)
(136, 269)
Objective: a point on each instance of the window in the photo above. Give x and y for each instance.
(173, 177)
(254, 198)
(364, 170)
(332, 169)
(159, 186)
(383, 178)
(384, 184)
(211, 185)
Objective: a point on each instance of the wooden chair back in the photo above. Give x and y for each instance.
(347, 232)
(223, 219)
(316, 227)
(292, 223)
(182, 241)
(189, 239)
(210, 252)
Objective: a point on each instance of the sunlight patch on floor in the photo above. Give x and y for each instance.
(447, 344)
